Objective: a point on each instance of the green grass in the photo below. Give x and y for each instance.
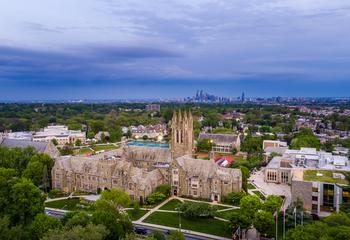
(250, 186)
(104, 147)
(136, 216)
(209, 226)
(310, 175)
(260, 195)
(219, 207)
(73, 204)
(85, 150)
(226, 214)
(171, 205)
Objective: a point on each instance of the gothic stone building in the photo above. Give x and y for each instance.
(139, 170)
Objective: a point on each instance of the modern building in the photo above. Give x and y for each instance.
(281, 168)
(223, 143)
(316, 177)
(61, 133)
(273, 143)
(321, 192)
(139, 170)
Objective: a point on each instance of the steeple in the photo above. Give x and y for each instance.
(181, 134)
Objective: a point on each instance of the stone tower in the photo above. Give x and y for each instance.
(181, 134)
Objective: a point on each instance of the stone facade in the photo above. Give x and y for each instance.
(139, 170)
(181, 134)
(203, 179)
(102, 171)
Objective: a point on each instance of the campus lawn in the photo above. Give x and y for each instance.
(220, 207)
(171, 205)
(73, 204)
(226, 214)
(250, 186)
(85, 150)
(104, 147)
(209, 226)
(135, 216)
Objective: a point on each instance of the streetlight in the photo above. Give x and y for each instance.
(178, 210)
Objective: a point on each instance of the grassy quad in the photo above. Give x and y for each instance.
(226, 214)
(171, 205)
(208, 225)
(136, 215)
(73, 204)
(104, 147)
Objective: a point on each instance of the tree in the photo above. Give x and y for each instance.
(272, 203)
(66, 150)
(54, 141)
(176, 235)
(26, 202)
(42, 224)
(252, 144)
(77, 142)
(115, 198)
(7, 180)
(264, 222)
(9, 232)
(155, 198)
(164, 188)
(158, 235)
(90, 232)
(239, 219)
(197, 210)
(251, 204)
(234, 198)
(117, 224)
(305, 138)
(38, 168)
(245, 176)
(115, 134)
(78, 218)
(204, 145)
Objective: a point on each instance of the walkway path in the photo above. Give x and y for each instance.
(257, 179)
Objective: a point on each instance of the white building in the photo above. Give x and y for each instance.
(282, 168)
(61, 133)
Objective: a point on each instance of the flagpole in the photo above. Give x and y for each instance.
(284, 223)
(277, 224)
(295, 217)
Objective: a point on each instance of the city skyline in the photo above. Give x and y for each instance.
(132, 49)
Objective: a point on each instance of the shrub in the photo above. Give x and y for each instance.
(197, 210)
(164, 188)
(155, 198)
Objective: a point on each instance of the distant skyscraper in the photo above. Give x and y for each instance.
(243, 97)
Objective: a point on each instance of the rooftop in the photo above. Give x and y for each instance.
(327, 176)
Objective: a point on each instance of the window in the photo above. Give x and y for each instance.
(314, 207)
(328, 195)
(314, 189)
(175, 183)
(314, 198)
(195, 193)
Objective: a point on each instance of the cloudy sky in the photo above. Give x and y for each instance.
(61, 49)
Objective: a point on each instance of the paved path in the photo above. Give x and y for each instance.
(257, 179)
(186, 232)
(152, 210)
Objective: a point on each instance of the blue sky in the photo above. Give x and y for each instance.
(64, 49)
